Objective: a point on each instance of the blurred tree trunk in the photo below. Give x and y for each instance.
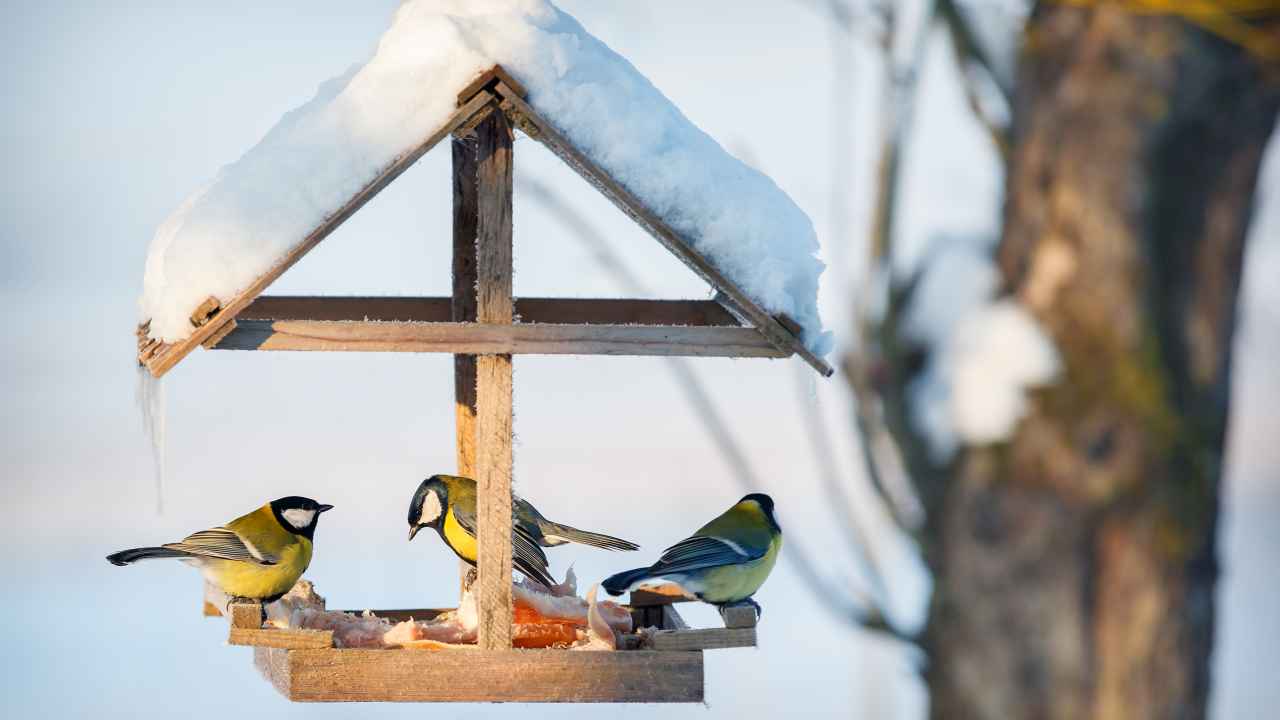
(1075, 565)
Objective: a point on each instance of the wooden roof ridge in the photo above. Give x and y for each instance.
(492, 90)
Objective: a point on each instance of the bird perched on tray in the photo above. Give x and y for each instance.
(258, 556)
(447, 503)
(724, 563)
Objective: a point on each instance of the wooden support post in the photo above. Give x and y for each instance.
(494, 304)
(463, 307)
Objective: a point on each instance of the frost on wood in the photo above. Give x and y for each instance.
(984, 353)
(319, 155)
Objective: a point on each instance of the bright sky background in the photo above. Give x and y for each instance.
(115, 112)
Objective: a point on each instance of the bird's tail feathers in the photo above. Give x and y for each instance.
(125, 557)
(624, 581)
(564, 533)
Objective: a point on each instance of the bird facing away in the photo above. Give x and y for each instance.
(258, 556)
(724, 563)
(447, 503)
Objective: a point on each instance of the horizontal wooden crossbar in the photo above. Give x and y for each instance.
(483, 675)
(488, 339)
(560, 311)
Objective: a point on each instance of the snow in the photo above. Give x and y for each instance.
(985, 353)
(319, 155)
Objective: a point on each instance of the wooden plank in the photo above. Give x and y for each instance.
(738, 616)
(462, 308)
(246, 615)
(484, 676)
(631, 205)
(289, 639)
(462, 305)
(519, 339)
(658, 595)
(488, 79)
(160, 362)
(708, 639)
(495, 306)
(554, 311)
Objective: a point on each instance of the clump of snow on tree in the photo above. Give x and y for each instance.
(985, 353)
(322, 153)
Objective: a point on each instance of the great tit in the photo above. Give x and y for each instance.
(448, 504)
(258, 556)
(724, 563)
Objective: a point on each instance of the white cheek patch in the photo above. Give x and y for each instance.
(430, 508)
(298, 518)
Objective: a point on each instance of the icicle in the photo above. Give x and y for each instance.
(150, 397)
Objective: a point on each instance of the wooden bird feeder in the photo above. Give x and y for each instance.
(483, 326)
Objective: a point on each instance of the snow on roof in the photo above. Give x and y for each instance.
(321, 154)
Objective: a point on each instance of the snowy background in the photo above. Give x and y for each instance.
(115, 113)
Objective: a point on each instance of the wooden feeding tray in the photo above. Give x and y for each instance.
(660, 663)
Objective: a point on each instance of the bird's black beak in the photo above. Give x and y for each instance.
(414, 531)
(324, 508)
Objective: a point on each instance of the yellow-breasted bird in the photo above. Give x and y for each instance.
(724, 563)
(447, 503)
(257, 556)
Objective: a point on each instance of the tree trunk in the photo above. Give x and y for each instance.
(1075, 564)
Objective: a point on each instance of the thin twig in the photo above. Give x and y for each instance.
(971, 58)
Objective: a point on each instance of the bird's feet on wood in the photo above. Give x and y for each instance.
(469, 579)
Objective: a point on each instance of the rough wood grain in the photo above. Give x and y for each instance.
(169, 355)
(660, 230)
(488, 79)
(462, 305)
(246, 615)
(519, 339)
(495, 306)
(289, 639)
(739, 616)
(483, 676)
(554, 311)
(708, 639)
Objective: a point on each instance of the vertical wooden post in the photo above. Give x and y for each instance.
(494, 304)
(465, 213)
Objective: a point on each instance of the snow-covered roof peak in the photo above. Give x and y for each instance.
(260, 208)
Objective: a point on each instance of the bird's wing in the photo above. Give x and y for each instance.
(527, 557)
(701, 551)
(224, 544)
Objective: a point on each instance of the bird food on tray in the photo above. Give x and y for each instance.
(543, 618)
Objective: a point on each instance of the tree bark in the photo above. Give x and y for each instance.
(1075, 564)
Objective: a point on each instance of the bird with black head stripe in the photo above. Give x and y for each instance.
(258, 556)
(447, 504)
